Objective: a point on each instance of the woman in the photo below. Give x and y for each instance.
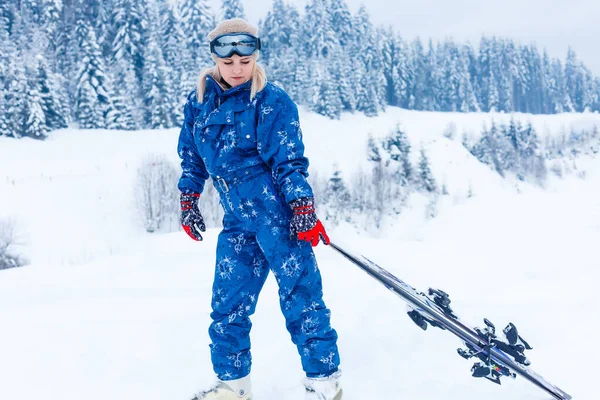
(244, 133)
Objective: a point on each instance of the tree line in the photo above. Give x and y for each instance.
(129, 64)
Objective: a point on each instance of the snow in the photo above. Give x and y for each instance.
(107, 311)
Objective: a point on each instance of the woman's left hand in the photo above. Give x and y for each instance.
(305, 223)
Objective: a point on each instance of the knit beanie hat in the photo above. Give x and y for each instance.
(234, 25)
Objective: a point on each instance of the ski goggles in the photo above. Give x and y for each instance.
(242, 44)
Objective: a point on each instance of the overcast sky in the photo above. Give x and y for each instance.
(551, 24)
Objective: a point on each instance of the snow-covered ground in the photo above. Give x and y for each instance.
(107, 311)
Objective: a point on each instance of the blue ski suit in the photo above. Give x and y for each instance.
(253, 151)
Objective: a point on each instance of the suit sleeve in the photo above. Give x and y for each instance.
(194, 173)
(280, 146)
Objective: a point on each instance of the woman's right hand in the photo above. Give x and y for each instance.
(191, 219)
(305, 224)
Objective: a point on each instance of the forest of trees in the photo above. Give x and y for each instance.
(129, 64)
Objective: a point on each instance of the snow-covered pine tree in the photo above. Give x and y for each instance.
(91, 98)
(35, 120)
(129, 19)
(4, 60)
(6, 15)
(489, 66)
(281, 50)
(495, 149)
(338, 196)
(328, 101)
(50, 14)
(371, 98)
(232, 9)
(341, 21)
(379, 195)
(426, 180)
(571, 77)
(196, 17)
(55, 111)
(6, 51)
(4, 131)
(432, 79)
(530, 161)
(175, 54)
(395, 69)
(124, 114)
(157, 85)
(15, 85)
(448, 90)
(492, 93)
(466, 92)
(302, 90)
(503, 71)
(341, 72)
(318, 35)
(417, 86)
(398, 148)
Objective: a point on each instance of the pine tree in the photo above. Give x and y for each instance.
(35, 122)
(50, 19)
(395, 70)
(370, 98)
(157, 85)
(466, 92)
(426, 180)
(494, 148)
(91, 99)
(50, 96)
(492, 93)
(328, 102)
(341, 72)
(15, 85)
(373, 151)
(338, 196)
(571, 78)
(280, 53)
(431, 80)
(417, 89)
(232, 9)
(318, 34)
(4, 126)
(448, 88)
(129, 21)
(124, 114)
(175, 55)
(196, 17)
(5, 57)
(398, 148)
(341, 21)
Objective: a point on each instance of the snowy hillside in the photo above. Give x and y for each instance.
(107, 311)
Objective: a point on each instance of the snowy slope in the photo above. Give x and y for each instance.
(106, 311)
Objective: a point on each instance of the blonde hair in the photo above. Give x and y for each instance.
(259, 78)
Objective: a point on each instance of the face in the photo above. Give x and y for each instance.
(236, 70)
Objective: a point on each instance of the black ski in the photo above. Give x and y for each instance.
(497, 358)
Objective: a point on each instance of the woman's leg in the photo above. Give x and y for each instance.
(240, 274)
(301, 298)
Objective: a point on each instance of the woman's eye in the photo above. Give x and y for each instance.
(245, 62)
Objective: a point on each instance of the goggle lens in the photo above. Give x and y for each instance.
(225, 46)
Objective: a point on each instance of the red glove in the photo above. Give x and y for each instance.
(191, 219)
(305, 223)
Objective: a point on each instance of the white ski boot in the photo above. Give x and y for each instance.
(237, 389)
(327, 388)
